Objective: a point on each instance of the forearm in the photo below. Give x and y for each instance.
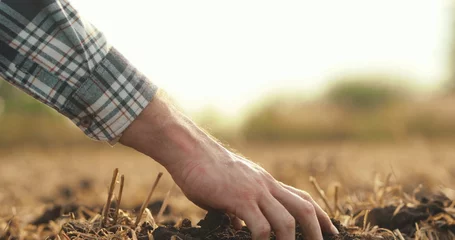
(166, 135)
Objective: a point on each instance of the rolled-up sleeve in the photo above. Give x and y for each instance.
(50, 52)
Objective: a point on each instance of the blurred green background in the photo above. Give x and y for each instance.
(360, 106)
(366, 107)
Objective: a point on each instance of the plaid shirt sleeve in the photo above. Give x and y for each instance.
(51, 53)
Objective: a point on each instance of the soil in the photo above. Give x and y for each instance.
(406, 217)
(56, 211)
(436, 213)
(59, 210)
(217, 226)
(432, 212)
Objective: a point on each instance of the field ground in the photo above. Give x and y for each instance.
(30, 176)
(33, 178)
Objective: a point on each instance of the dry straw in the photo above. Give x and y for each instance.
(119, 200)
(147, 200)
(322, 194)
(165, 203)
(109, 197)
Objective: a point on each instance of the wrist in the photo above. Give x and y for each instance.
(165, 135)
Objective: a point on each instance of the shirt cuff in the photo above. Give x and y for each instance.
(110, 98)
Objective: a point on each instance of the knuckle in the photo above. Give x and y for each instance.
(261, 183)
(289, 222)
(247, 195)
(260, 193)
(307, 208)
(263, 230)
(250, 197)
(305, 195)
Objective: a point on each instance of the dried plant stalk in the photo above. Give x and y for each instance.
(384, 189)
(165, 203)
(119, 200)
(109, 197)
(322, 194)
(147, 200)
(337, 206)
(365, 219)
(336, 197)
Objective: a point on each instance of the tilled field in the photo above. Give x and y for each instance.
(389, 214)
(380, 206)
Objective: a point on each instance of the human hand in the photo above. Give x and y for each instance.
(221, 180)
(215, 178)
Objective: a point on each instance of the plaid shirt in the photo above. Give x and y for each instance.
(51, 53)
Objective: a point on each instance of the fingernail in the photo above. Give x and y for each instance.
(335, 230)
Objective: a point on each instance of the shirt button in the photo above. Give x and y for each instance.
(86, 121)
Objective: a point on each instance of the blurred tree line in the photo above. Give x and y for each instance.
(365, 92)
(366, 107)
(361, 107)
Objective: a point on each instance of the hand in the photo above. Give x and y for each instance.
(215, 178)
(222, 180)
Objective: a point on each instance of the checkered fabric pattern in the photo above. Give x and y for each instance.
(50, 52)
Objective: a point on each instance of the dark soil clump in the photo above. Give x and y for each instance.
(60, 210)
(405, 218)
(217, 226)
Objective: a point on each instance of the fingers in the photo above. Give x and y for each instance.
(256, 222)
(303, 211)
(324, 219)
(283, 223)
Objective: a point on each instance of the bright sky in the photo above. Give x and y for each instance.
(225, 54)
